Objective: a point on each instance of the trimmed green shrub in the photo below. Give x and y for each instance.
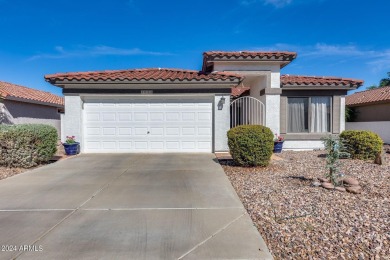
(27, 145)
(364, 145)
(251, 145)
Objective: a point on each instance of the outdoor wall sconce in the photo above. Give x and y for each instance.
(221, 103)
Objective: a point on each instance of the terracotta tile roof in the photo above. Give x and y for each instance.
(155, 74)
(252, 54)
(240, 91)
(9, 91)
(284, 57)
(293, 80)
(377, 95)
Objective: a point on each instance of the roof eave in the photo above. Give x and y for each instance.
(209, 63)
(61, 83)
(31, 101)
(368, 103)
(319, 86)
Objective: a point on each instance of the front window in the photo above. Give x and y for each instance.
(309, 114)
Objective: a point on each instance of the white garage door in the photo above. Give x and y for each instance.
(141, 125)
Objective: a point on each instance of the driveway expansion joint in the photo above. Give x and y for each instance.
(211, 236)
(139, 209)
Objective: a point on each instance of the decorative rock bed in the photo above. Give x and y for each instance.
(301, 221)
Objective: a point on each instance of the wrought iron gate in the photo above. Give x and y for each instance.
(247, 111)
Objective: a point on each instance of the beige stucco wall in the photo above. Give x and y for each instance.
(379, 127)
(371, 113)
(15, 112)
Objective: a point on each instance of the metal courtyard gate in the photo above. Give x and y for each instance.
(247, 111)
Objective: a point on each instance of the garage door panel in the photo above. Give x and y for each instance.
(188, 116)
(206, 131)
(204, 145)
(93, 131)
(92, 117)
(127, 131)
(175, 131)
(188, 131)
(156, 116)
(141, 145)
(108, 116)
(204, 116)
(140, 116)
(109, 131)
(188, 145)
(164, 125)
(156, 131)
(125, 116)
(109, 145)
(172, 116)
(140, 131)
(157, 145)
(125, 145)
(172, 145)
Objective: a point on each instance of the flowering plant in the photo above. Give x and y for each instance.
(278, 138)
(70, 140)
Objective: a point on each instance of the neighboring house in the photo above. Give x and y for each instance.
(20, 105)
(172, 110)
(370, 105)
(372, 111)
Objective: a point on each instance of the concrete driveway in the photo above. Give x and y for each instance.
(126, 206)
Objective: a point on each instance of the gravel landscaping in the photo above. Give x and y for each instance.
(6, 172)
(300, 221)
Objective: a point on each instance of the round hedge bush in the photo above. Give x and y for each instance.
(364, 145)
(251, 145)
(27, 145)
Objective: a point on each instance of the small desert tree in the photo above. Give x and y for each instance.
(334, 151)
(382, 83)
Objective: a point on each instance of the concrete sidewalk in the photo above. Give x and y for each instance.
(126, 206)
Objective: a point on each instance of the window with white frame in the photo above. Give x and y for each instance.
(309, 114)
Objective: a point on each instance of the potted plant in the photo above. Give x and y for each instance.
(278, 143)
(71, 146)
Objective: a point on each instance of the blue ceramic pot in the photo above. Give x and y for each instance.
(278, 146)
(71, 149)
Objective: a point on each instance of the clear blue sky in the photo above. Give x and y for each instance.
(346, 38)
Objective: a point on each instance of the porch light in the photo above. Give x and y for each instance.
(221, 103)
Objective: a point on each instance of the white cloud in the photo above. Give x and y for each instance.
(322, 49)
(375, 59)
(278, 3)
(382, 61)
(94, 51)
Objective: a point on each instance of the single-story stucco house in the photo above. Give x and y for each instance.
(22, 105)
(175, 110)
